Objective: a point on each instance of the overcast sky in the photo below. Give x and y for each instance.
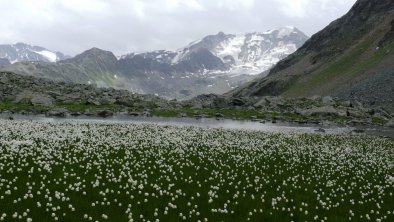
(122, 26)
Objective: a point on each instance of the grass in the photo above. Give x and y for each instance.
(379, 121)
(345, 67)
(242, 114)
(81, 107)
(119, 172)
(18, 107)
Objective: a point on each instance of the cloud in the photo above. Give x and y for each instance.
(123, 26)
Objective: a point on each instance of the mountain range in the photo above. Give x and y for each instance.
(352, 58)
(214, 64)
(21, 52)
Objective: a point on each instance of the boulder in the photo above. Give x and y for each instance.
(356, 104)
(41, 99)
(126, 101)
(146, 114)
(107, 101)
(390, 123)
(105, 113)
(320, 130)
(93, 102)
(4, 79)
(356, 113)
(134, 113)
(24, 97)
(238, 102)
(58, 112)
(219, 115)
(328, 101)
(182, 115)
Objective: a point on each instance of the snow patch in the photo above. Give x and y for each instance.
(231, 47)
(52, 57)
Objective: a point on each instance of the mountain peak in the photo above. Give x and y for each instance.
(93, 54)
(20, 52)
(250, 53)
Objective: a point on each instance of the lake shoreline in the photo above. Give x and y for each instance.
(324, 127)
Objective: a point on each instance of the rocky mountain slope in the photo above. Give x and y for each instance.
(214, 64)
(31, 94)
(21, 52)
(351, 59)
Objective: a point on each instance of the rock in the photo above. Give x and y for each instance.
(356, 104)
(125, 102)
(219, 115)
(24, 97)
(320, 130)
(146, 114)
(182, 115)
(107, 101)
(358, 131)
(134, 113)
(58, 112)
(89, 113)
(105, 113)
(198, 116)
(390, 123)
(358, 122)
(315, 98)
(75, 114)
(4, 79)
(355, 113)
(53, 94)
(93, 102)
(346, 103)
(271, 103)
(238, 102)
(328, 101)
(385, 113)
(42, 99)
(312, 121)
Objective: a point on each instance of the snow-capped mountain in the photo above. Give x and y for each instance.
(251, 53)
(22, 52)
(214, 64)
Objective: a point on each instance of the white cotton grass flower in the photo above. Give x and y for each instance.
(120, 166)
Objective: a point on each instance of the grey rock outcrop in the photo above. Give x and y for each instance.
(41, 99)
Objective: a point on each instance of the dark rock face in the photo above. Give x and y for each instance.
(200, 58)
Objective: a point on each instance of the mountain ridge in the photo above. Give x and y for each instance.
(22, 52)
(351, 51)
(214, 64)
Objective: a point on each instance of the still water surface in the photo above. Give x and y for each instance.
(209, 123)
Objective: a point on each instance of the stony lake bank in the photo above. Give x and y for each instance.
(30, 95)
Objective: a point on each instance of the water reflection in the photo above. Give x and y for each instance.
(209, 123)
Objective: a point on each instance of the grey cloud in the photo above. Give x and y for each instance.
(122, 26)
